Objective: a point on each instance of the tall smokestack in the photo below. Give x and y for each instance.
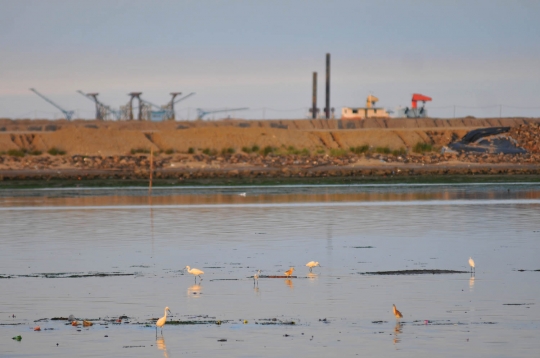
(314, 97)
(327, 109)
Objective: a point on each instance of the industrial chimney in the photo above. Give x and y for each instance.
(314, 97)
(327, 108)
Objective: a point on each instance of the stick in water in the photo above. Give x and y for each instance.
(151, 169)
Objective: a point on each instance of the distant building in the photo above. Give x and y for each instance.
(369, 111)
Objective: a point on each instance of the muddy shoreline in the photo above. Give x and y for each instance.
(399, 173)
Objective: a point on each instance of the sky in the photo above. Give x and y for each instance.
(471, 57)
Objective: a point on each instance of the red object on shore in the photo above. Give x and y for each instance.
(419, 97)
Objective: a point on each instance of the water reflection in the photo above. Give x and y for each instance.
(194, 291)
(289, 283)
(160, 344)
(300, 194)
(398, 329)
(312, 275)
(471, 283)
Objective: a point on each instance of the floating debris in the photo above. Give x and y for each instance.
(17, 338)
(222, 340)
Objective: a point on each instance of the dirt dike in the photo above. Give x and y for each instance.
(121, 138)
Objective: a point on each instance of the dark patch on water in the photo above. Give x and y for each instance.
(190, 322)
(275, 321)
(70, 275)
(412, 272)
(225, 279)
(517, 304)
(363, 247)
(437, 323)
(379, 322)
(528, 270)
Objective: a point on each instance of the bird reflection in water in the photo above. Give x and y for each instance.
(471, 283)
(160, 343)
(289, 283)
(398, 329)
(312, 275)
(194, 291)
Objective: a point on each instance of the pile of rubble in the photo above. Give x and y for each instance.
(527, 136)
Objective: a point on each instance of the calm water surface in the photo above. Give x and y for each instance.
(231, 232)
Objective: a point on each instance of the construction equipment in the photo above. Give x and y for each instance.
(165, 112)
(126, 112)
(371, 100)
(103, 111)
(67, 114)
(170, 106)
(201, 112)
(414, 111)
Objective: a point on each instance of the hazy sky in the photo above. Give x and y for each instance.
(261, 54)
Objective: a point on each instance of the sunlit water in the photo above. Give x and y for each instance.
(232, 232)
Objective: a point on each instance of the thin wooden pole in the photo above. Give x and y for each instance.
(151, 169)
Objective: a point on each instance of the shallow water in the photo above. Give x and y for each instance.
(232, 232)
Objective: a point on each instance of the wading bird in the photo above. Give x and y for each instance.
(195, 272)
(312, 264)
(161, 322)
(256, 277)
(471, 263)
(396, 312)
(289, 272)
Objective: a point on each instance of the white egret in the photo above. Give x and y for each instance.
(471, 263)
(396, 312)
(161, 322)
(195, 272)
(256, 277)
(312, 264)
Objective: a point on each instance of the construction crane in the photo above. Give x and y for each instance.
(102, 110)
(414, 111)
(201, 112)
(170, 106)
(67, 114)
(165, 112)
